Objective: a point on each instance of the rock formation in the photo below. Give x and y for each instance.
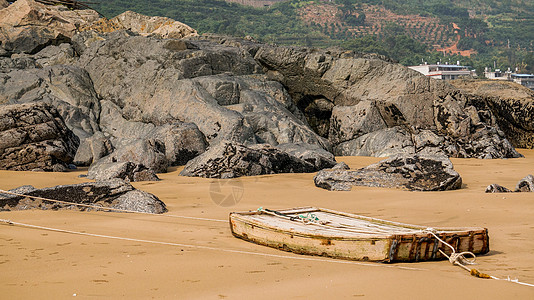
(526, 184)
(33, 136)
(495, 188)
(27, 26)
(150, 84)
(127, 171)
(511, 104)
(229, 160)
(144, 25)
(415, 173)
(113, 194)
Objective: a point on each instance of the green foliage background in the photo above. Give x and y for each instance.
(502, 32)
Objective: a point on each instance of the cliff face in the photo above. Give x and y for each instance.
(176, 96)
(511, 104)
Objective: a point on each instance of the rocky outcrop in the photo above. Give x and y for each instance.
(415, 173)
(526, 184)
(511, 104)
(27, 26)
(230, 160)
(133, 93)
(33, 136)
(371, 99)
(67, 88)
(127, 171)
(495, 188)
(161, 26)
(116, 194)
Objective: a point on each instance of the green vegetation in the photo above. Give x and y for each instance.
(502, 32)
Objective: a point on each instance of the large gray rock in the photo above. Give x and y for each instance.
(415, 173)
(147, 152)
(183, 141)
(526, 184)
(113, 194)
(127, 171)
(230, 159)
(33, 136)
(311, 153)
(67, 88)
(380, 143)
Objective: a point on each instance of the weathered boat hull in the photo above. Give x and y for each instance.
(418, 245)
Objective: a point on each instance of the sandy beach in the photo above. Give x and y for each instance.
(41, 264)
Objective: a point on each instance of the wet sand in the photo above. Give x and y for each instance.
(42, 264)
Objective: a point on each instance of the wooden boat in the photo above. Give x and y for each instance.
(318, 231)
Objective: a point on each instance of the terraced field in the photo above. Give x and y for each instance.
(428, 30)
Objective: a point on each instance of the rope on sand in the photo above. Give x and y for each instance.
(12, 223)
(455, 258)
(110, 208)
(460, 260)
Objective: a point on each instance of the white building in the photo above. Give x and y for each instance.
(526, 80)
(497, 74)
(444, 71)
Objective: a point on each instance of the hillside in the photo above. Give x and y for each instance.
(479, 33)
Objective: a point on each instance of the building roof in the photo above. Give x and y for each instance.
(523, 75)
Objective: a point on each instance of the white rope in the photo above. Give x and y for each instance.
(9, 222)
(111, 208)
(454, 258)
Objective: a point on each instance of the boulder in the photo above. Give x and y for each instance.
(3, 4)
(526, 184)
(183, 141)
(229, 160)
(127, 171)
(112, 193)
(411, 172)
(144, 25)
(311, 153)
(27, 26)
(33, 136)
(495, 188)
(147, 152)
(380, 143)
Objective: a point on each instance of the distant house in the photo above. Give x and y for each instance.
(526, 80)
(497, 74)
(444, 71)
